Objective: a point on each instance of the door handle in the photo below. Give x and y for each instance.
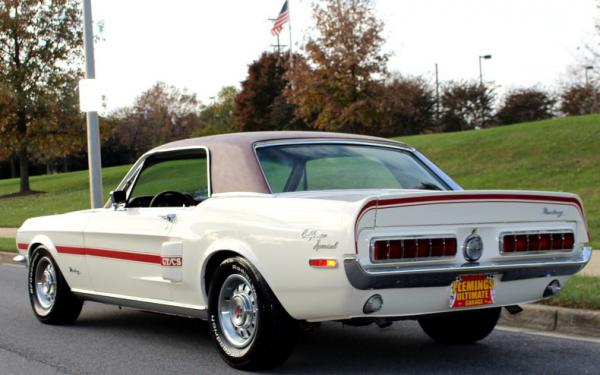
(169, 217)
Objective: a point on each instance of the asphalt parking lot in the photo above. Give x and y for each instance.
(106, 340)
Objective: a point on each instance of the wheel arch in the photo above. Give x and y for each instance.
(46, 242)
(217, 252)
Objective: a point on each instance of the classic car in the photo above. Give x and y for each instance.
(265, 233)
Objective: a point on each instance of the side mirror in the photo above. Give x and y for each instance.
(118, 197)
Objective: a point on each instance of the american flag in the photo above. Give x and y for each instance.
(282, 18)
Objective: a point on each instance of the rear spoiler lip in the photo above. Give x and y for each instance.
(466, 196)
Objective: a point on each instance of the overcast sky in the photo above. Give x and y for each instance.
(205, 45)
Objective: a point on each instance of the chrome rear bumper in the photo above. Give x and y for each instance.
(434, 276)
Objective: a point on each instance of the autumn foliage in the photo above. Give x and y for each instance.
(335, 86)
(261, 104)
(40, 48)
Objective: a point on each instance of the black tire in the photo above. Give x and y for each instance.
(463, 327)
(64, 307)
(273, 332)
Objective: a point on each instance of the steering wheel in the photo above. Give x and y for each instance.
(169, 196)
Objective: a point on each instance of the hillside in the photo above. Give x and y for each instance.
(557, 155)
(63, 192)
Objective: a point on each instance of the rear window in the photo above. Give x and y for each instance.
(343, 166)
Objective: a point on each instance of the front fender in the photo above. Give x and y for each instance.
(43, 240)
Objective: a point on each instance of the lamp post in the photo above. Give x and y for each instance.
(482, 57)
(587, 78)
(93, 133)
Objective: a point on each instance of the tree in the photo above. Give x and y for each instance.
(579, 100)
(40, 49)
(261, 104)
(160, 114)
(465, 105)
(335, 87)
(409, 107)
(218, 117)
(528, 104)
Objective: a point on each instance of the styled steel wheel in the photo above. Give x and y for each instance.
(238, 311)
(45, 286)
(248, 324)
(51, 299)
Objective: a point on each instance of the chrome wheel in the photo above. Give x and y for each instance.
(238, 311)
(45, 285)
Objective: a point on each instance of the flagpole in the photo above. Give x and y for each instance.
(290, 32)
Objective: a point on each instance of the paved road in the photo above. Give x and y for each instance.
(106, 340)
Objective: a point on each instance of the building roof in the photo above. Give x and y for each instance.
(233, 163)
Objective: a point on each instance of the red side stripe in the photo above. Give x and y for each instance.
(70, 250)
(22, 246)
(434, 198)
(113, 254)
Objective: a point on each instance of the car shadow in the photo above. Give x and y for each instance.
(332, 349)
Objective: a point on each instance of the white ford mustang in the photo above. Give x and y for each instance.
(261, 233)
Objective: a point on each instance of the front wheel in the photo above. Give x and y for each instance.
(50, 296)
(250, 327)
(462, 327)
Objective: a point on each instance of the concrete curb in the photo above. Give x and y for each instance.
(555, 319)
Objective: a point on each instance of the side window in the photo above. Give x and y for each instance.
(186, 177)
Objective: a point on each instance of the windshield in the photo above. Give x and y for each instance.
(319, 166)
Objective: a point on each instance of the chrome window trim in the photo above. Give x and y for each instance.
(411, 237)
(534, 252)
(426, 163)
(134, 173)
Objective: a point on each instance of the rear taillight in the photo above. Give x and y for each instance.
(413, 248)
(521, 242)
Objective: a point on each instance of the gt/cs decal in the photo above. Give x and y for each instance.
(172, 261)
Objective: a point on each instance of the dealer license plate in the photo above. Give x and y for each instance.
(472, 290)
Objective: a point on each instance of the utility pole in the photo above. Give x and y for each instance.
(483, 57)
(93, 132)
(437, 92)
(587, 78)
(278, 45)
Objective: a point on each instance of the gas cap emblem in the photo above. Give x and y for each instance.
(473, 248)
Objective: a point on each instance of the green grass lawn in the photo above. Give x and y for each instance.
(8, 244)
(582, 292)
(64, 192)
(554, 155)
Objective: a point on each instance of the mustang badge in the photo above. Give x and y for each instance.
(547, 211)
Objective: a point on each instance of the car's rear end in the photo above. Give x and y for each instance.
(433, 252)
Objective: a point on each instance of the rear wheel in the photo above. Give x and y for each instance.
(50, 296)
(462, 327)
(250, 327)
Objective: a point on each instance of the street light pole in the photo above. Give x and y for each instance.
(587, 78)
(93, 133)
(482, 57)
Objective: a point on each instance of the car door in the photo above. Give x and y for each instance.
(127, 248)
